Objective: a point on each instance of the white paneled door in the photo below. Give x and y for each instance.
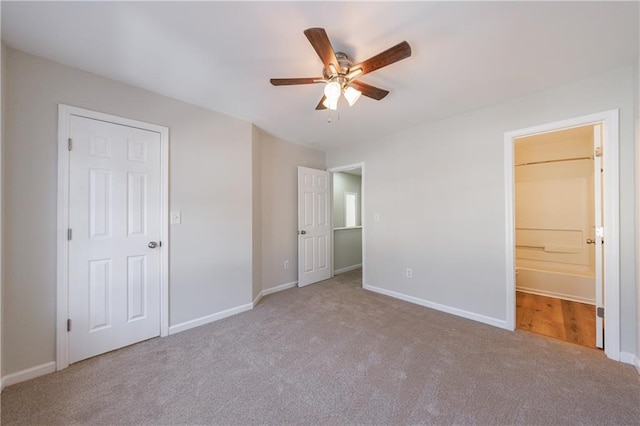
(115, 226)
(314, 226)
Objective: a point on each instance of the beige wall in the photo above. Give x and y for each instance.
(256, 185)
(210, 183)
(2, 111)
(280, 161)
(637, 216)
(439, 190)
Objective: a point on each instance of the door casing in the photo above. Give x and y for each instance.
(64, 114)
(611, 201)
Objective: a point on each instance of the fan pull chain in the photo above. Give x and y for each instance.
(329, 119)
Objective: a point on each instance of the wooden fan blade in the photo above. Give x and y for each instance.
(394, 54)
(290, 81)
(321, 104)
(370, 91)
(320, 42)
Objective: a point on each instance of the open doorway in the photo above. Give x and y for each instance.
(608, 305)
(558, 254)
(347, 223)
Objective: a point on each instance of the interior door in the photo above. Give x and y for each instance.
(598, 231)
(314, 226)
(114, 252)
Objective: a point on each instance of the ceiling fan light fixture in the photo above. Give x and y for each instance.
(352, 95)
(332, 90)
(331, 104)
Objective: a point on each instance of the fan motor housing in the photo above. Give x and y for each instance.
(344, 63)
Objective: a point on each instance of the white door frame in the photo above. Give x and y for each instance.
(64, 117)
(362, 210)
(611, 200)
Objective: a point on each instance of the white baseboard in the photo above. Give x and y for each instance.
(274, 290)
(636, 363)
(629, 358)
(555, 295)
(208, 318)
(279, 288)
(347, 269)
(28, 374)
(256, 300)
(438, 307)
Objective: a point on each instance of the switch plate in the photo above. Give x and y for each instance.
(376, 217)
(176, 217)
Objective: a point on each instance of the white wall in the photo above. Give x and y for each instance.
(210, 183)
(280, 161)
(439, 192)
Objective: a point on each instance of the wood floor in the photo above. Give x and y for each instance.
(570, 321)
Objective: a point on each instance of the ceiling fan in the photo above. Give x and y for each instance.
(340, 75)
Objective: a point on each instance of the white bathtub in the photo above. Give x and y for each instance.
(577, 288)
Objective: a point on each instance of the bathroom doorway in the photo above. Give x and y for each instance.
(557, 259)
(558, 223)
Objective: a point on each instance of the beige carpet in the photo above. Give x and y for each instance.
(333, 353)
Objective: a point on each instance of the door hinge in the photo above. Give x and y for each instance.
(598, 151)
(600, 312)
(69, 144)
(69, 234)
(159, 243)
(68, 324)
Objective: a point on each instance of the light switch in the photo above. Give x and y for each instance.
(176, 217)
(376, 217)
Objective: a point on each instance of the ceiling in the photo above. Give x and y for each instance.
(221, 55)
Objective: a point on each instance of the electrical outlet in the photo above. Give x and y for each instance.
(286, 264)
(409, 273)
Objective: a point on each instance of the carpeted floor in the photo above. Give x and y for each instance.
(333, 353)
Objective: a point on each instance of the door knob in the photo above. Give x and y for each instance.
(303, 232)
(152, 244)
(590, 241)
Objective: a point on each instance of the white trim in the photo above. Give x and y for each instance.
(272, 290)
(347, 269)
(29, 373)
(588, 301)
(346, 228)
(636, 363)
(438, 307)
(209, 318)
(64, 116)
(256, 300)
(352, 166)
(278, 288)
(611, 202)
(628, 358)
